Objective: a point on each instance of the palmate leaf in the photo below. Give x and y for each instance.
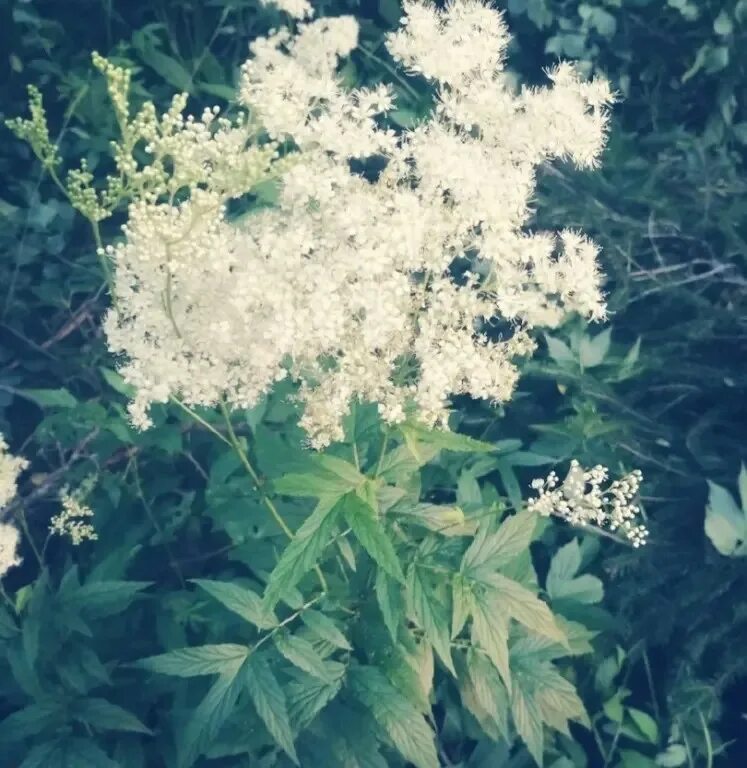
(68, 753)
(390, 600)
(527, 719)
(490, 551)
(410, 667)
(461, 603)
(562, 582)
(269, 701)
(304, 550)
(222, 659)
(485, 695)
(31, 720)
(102, 715)
(329, 477)
(325, 628)
(241, 600)
(524, 606)
(307, 697)
(401, 721)
(301, 653)
(444, 440)
(430, 614)
(209, 717)
(490, 632)
(371, 534)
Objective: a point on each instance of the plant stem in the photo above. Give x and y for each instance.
(258, 485)
(708, 742)
(196, 416)
(27, 533)
(380, 462)
(241, 453)
(287, 621)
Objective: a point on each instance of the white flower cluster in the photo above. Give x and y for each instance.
(582, 499)
(10, 468)
(73, 520)
(386, 286)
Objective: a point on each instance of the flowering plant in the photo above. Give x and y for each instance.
(369, 294)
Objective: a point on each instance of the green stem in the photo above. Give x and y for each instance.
(384, 445)
(27, 533)
(244, 459)
(258, 485)
(286, 621)
(708, 742)
(196, 416)
(391, 70)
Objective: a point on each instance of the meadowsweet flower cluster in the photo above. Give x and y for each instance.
(10, 467)
(402, 286)
(73, 520)
(583, 499)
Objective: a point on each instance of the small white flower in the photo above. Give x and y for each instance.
(73, 520)
(582, 500)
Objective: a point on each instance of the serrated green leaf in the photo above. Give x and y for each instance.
(490, 633)
(304, 550)
(269, 701)
(68, 753)
(562, 582)
(430, 614)
(97, 599)
(329, 477)
(488, 690)
(240, 600)
(401, 721)
(48, 398)
(592, 351)
(371, 534)
(209, 717)
(461, 604)
(523, 606)
(557, 699)
(528, 721)
(225, 659)
(392, 605)
(31, 720)
(302, 654)
(490, 551)
(444, 440)
(559, 351)
(307, 697)
(325, 628)
(102, 715)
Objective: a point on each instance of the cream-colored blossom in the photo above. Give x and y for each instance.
(9, 539)
(73, 520)
(586, 498)
(349, 283)
(10, 467)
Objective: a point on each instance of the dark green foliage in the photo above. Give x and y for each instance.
(138, 651)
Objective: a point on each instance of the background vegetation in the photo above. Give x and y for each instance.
(661, 387)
